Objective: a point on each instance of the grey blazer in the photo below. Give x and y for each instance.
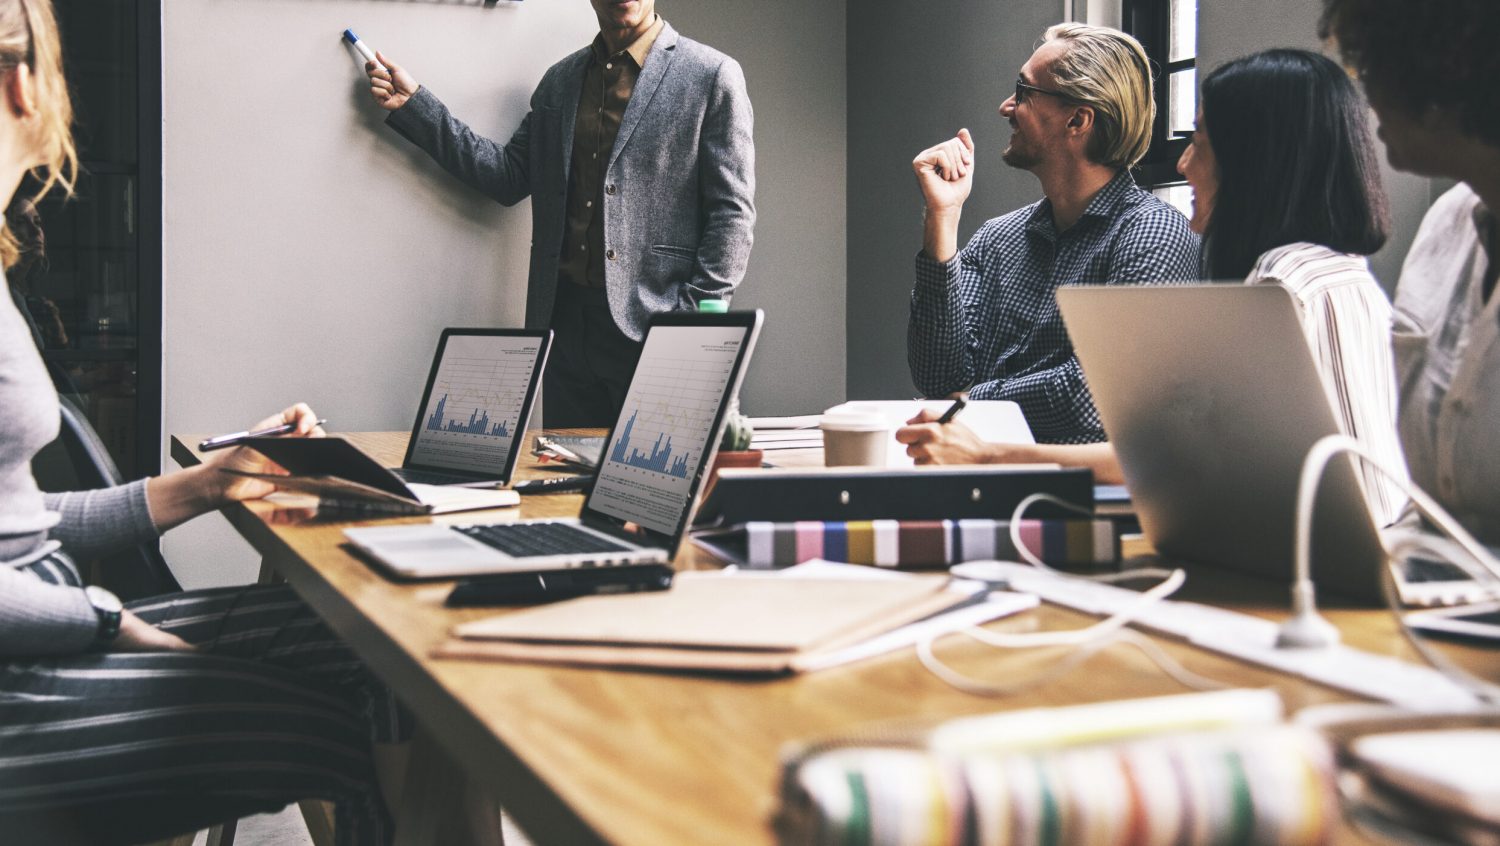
(678, 192)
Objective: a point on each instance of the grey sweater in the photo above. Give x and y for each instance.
(37, 618)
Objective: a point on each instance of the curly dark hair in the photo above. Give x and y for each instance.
(1420, 54)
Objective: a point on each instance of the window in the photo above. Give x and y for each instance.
(1168, 29)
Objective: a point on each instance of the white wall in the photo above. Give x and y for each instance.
(310, 253)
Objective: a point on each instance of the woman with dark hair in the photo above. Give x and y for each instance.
(1430, 70)
(1285, 190)
(1290, 162)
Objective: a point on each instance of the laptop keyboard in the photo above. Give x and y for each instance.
(1419, 570)
(431, 477)
(531, 539)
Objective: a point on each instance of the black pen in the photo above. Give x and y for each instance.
(953, 410)
(559, 484)
(237, 438)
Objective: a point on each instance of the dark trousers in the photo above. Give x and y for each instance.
(591, 363)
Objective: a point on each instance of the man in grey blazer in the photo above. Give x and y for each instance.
(638, 158)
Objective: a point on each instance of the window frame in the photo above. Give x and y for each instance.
(1150, 21)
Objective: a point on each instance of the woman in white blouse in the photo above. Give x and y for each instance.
(1430, 70)
(1286, 189)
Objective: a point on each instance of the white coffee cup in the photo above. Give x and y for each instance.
(854, 438)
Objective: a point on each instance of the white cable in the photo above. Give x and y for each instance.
(1031, 558)
(1412, 544)
(1084, 642)
(1079, 637)
(1076, 656)
(1312, 472)
(1473, 558)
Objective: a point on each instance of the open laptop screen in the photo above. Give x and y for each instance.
(672, 415)
(478, 401)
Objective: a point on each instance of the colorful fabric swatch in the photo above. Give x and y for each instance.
(1270, 785)
(915, 544)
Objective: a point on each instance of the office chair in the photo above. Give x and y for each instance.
(78, 460)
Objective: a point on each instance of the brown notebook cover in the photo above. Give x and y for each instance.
(712, 622)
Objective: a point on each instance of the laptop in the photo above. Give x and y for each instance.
(1212, 400)
(648, 481)
(476, 407)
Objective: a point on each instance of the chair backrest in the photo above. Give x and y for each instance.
(133, 573)
(92, 463)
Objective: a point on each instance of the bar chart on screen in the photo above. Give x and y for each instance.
(668, 418)
(673, 409)
(474, 406)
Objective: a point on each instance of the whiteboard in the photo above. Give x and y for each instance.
(310, 251)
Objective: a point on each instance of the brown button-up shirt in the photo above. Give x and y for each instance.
(608, 83)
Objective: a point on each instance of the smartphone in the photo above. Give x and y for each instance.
(536, 586)
(1480, 621)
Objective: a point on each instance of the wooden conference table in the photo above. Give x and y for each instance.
(589, 756)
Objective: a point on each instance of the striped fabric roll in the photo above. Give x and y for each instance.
(1269, 785)
(916, 544)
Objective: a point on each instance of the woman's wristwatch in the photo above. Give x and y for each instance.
(109, 608)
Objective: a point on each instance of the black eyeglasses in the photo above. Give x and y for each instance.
(1022, 88)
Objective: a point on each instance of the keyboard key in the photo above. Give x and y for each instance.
(532, 539)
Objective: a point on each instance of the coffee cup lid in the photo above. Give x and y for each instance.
(853, 421)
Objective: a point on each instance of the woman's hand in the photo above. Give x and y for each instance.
(178, 497)
(232, 488)
(137, 635)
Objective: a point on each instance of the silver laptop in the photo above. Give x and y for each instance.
(643, 496)
(476, 406)
(1212, 399)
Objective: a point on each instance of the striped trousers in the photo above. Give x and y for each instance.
(133, 747)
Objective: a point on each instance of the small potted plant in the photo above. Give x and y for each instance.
(734, 447)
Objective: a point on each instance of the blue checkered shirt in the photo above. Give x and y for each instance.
(987, 319)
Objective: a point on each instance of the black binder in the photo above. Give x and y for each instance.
(881, 493)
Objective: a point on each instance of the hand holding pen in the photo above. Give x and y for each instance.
(958, 405)
(218, 488)
(237, 438)
(938, 439)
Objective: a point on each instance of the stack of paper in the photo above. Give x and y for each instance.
(798, 432)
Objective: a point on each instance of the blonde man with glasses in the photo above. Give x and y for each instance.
(984, 318)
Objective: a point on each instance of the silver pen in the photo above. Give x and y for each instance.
(237, 438)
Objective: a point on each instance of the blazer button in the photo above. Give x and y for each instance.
(609, 189)
(609, 254)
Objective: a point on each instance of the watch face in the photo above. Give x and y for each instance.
(103, 600)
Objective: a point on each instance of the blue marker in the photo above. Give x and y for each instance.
(363, 49)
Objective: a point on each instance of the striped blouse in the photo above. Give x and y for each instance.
(1347, 319)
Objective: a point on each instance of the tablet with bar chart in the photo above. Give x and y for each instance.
(670, 413)
(476, 404)
(655, 459)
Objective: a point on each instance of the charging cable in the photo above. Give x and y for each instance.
(1306, 628)
(1082, 643)
(1463, 551)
